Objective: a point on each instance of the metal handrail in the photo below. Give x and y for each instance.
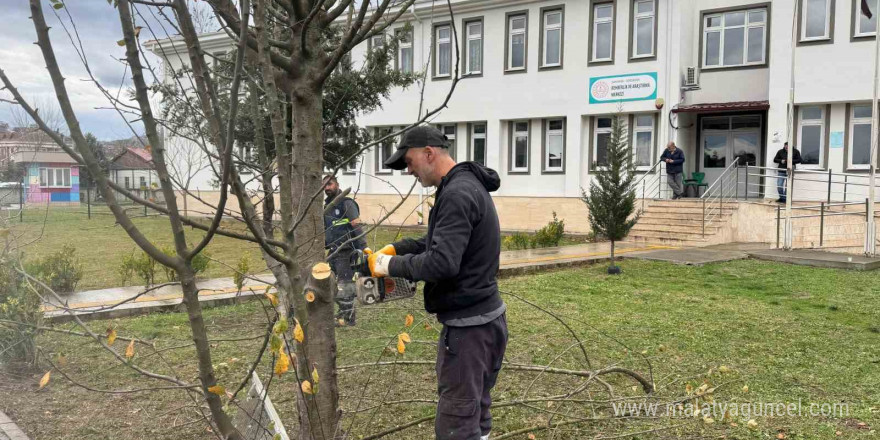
(645, 175)
(726, 171)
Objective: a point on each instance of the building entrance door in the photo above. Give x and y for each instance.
(726, 138)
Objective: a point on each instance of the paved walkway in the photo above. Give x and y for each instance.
(125, 301)
(8, 429)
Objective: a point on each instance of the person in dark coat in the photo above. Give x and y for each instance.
(457, 259)
(674, 158)
(781, 159)
(342, 230)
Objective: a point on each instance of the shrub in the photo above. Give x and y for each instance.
(138, 265)
(200, 264)
(20, 310)
(60, 271)
(517, 241)
(241, 271)
(550, 235)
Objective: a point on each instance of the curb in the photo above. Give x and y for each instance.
(9, 429)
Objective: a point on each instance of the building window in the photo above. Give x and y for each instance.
(516, 41)
(603, 32)
(551, 38)
(811, 137)
(405, 51)
(55, 177)
(815, 20)
(127, 182)
(554, 145)
(384, 150)
(478, 143)
(860, 134)
(449, 131)
(644, 23)
(865, 26)
(143, 183)
(643, 140)
(737, 38)
(442, 51)
(473, 62)
(601, 136)
(519, 151)
(351, 166)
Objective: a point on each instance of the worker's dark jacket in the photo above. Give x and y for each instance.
(337, 225)
(458, 258)
(677, 157)
(782, 156)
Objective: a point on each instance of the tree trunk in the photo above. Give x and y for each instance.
(203, 352)
(612, 252)
(320, 344)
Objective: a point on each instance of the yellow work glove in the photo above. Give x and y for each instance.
(379, 263)
(388, 249)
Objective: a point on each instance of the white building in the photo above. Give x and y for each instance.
(541, 78)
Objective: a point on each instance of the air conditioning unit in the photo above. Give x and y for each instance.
(692, 78)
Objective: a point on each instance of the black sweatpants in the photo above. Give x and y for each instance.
(468, 362)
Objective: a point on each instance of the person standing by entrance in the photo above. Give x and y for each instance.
(781, 159)
(674, 158)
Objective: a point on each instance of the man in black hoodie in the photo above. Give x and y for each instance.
(458, 260)
(781, 159)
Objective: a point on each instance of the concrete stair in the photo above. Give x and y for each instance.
(680, 223)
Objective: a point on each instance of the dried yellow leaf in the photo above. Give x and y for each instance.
(62, 360)
(306, 387)
(405, 337)
(409, 320)
(129, 351)
(272, 299)
(111, 336)
(45, 379)
(427, 326)
(217, 389)
(315, 375)
(401, 347)
(310, 296)
(745, 388)
(689, 389)
(282, 364)
(298, 332)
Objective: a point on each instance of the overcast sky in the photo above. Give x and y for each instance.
(99, 29)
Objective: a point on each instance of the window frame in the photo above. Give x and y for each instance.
(829, 24)
(351, 167)
(453, 146)
(401, 46)
(380, 132)
(472, 137)
(633, 41)
(435, 52)
(850, 131)
(542, 50)
(594, 139)
(65, 177)
(545, 144)
(508, 41)
(635, 129)
(466, 42)
(746, 9)
(511, 168)
(855, 16)
(822, 123)
(592, 32)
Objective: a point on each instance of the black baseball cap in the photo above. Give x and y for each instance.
(417, 137)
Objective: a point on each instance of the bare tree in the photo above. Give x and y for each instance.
(186, 161)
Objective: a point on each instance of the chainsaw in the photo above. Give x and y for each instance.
(372, 290)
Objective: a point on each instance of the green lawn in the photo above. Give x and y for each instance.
(789, 333)
(100, 244)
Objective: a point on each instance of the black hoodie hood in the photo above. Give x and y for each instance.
(486, 176)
